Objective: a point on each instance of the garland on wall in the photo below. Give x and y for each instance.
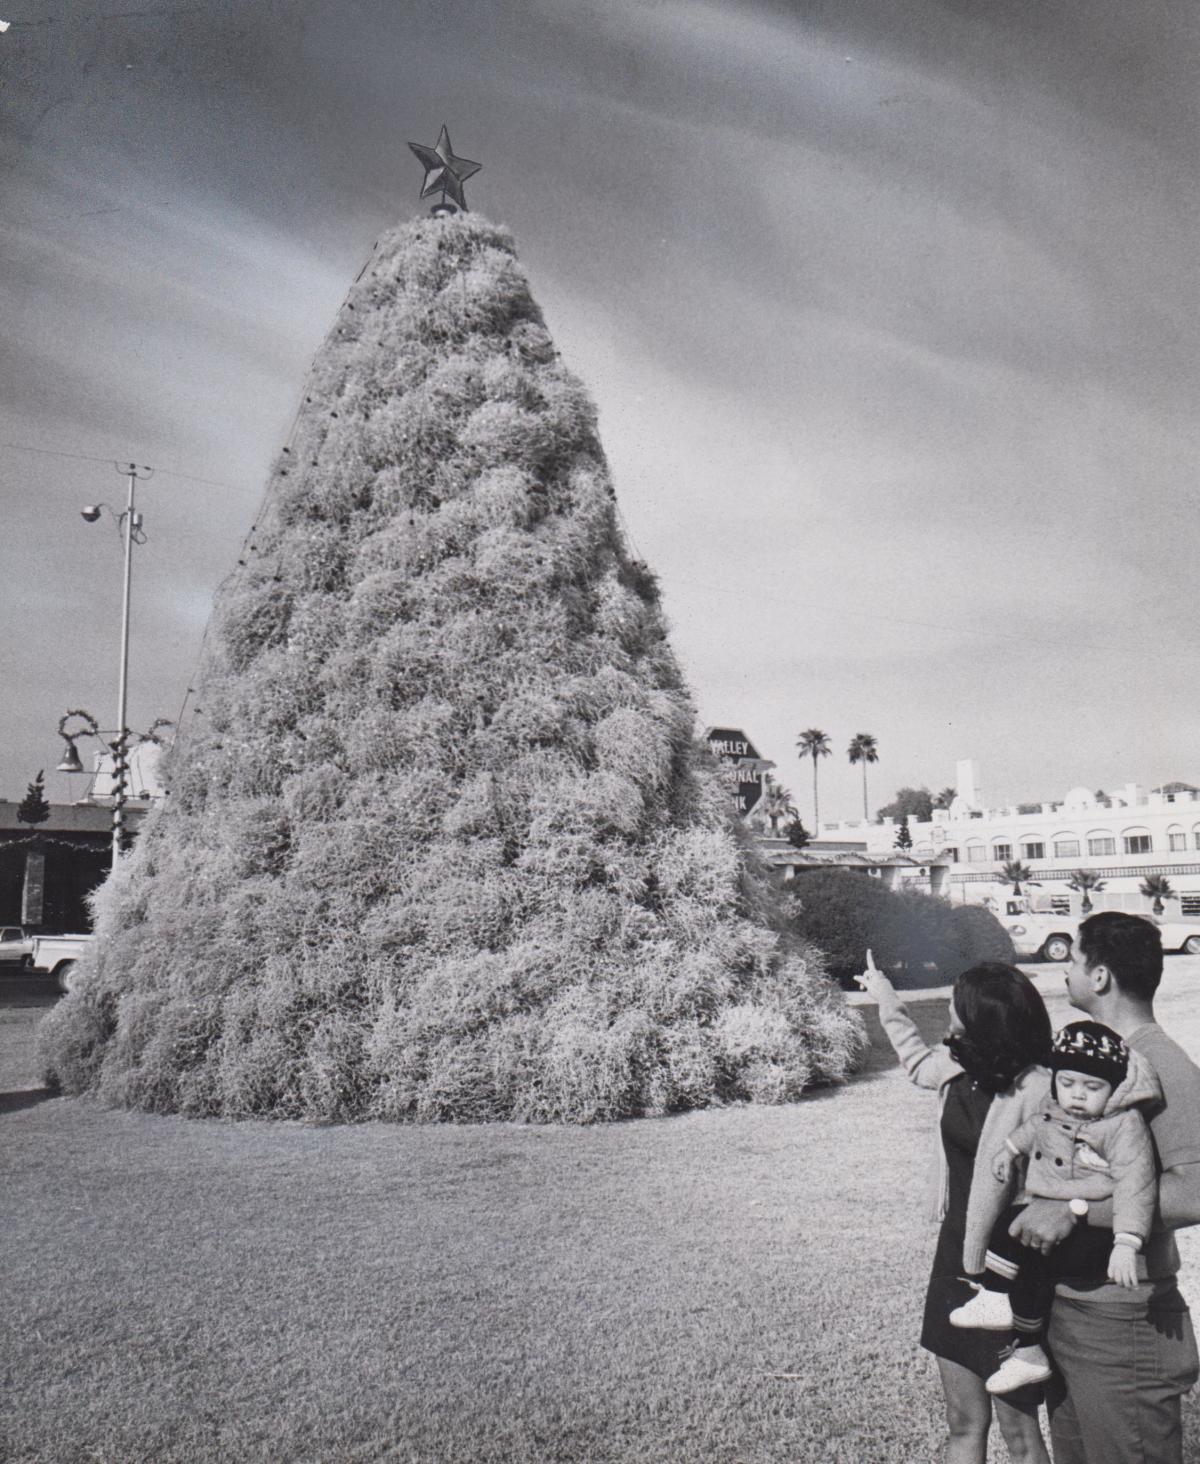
(98, 845)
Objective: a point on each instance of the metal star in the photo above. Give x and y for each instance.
(443, 171)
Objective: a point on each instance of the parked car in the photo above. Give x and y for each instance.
(16, 948)
(1051, 936)
(1047, 936)
(1039, 933)
(57, 954)
(1180, 936)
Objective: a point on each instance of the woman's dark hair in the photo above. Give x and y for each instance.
(1005, 1025)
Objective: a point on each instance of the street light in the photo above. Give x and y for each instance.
(116, 743)
(130, 525)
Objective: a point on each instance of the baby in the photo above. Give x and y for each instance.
(1088, 1142)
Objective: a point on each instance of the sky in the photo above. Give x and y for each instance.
(890, 312)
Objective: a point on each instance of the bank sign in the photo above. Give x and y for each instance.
(743, 766)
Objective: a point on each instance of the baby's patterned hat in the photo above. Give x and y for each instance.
(1090, 1047)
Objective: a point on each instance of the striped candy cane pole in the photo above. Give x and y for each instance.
(120, 793)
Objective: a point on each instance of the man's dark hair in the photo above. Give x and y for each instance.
(1005, 1025)
(1129, 946)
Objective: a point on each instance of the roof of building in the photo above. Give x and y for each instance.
(67, 818)
(809, 859)
(842, 854)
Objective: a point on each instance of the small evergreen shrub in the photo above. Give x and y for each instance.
(797, 835)
(34, 807)
(442, 845)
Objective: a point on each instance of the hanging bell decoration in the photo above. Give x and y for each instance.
(70, 762)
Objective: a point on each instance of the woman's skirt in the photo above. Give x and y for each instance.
(970, 1347)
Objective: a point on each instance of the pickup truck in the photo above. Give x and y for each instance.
(1039, 933)
(1179, 935)
(58, 954)
(16, 948)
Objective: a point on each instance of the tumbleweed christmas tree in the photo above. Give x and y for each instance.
(440, 842)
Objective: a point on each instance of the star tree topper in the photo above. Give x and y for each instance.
(443, 170)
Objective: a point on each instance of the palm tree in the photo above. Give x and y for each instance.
(1083, 881)
(945, 798)
(863, 750)
(1157, 887)
(814, 743)
(777, 803)
(1014, 871)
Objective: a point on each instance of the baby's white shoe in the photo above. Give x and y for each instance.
(988, 1310)
(1024, 1365)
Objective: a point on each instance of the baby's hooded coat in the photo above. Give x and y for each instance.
(1062, 1152)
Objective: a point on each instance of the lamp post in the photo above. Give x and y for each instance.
(130, 524)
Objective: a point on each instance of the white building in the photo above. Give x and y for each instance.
(144, 783)
(1120, 838)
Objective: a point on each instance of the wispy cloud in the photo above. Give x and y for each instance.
(890, 312)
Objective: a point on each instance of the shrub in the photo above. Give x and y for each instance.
(846, 914)
(919, 930)
(442, 845)
(979, 936)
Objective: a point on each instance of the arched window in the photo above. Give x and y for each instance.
(1002, 850)
(1033, 846)
(1137, 841)
(1101, 842)
(1066, 846)
(1176, 839)
(977, 852)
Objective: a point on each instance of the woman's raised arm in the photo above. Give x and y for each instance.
(927, 1067)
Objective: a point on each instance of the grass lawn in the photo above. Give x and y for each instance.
(211, 1291)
